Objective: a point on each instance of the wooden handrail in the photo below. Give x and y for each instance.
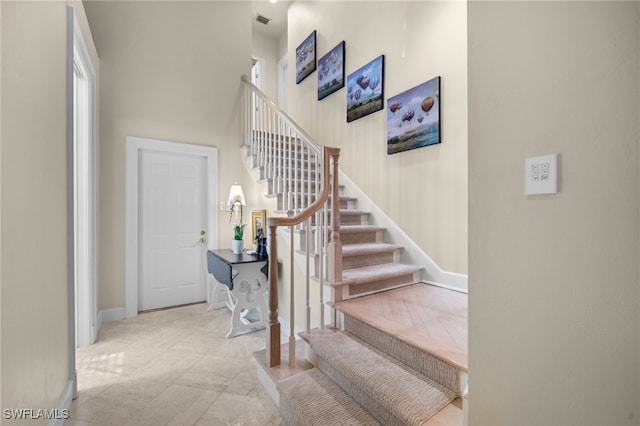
(329, 152)
(329, 187)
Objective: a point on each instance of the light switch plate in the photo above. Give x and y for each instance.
(541, 174)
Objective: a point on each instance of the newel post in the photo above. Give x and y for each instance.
(334, 250)
(273, 328)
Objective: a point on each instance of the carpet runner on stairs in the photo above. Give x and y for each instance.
(324, 403)
(390, 391)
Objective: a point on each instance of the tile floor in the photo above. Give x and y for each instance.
(171, 367)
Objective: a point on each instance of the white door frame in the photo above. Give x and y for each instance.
(84, 167)
(259, 78)
(134, 146)
(283, 88)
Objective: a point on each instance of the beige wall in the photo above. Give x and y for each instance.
(169, 71)
(553, 294)
(424, 190)
(1, 405)
(34, 311)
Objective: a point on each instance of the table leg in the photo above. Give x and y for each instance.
(249, 290)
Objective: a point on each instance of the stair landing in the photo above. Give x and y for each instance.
(429, 318)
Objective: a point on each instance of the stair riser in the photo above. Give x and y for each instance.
(352, 291)
(346, 219)
(371, 236)
(352, 219)
(432, 367)
(366, 259)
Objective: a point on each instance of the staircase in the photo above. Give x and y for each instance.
(369, 265)
(360, 374)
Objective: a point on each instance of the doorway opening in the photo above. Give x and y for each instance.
(258, 71)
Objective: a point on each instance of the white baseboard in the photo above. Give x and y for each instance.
(462, 288)
(217, 305)
(108, 315)
(64, 404)
(269, 385)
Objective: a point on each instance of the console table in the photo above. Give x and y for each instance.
(243, 278)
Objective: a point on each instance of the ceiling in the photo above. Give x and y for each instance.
(277, 15)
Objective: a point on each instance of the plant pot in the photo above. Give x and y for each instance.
(237, 246)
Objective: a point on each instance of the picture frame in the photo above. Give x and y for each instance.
(365, 89)
(413, 117)
(258, 221)
(331, 71)
(306, 57)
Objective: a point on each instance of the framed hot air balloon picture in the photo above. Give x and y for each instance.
(306, 57)
(413, 117)
(331, 71)
(364, 90)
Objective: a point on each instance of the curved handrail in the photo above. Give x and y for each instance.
(318, 203)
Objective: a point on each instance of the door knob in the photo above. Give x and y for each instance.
(202, 232)
(200, 241)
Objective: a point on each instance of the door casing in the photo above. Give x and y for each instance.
(84, 190)
(134, 147)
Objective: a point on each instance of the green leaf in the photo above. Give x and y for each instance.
(238, 232)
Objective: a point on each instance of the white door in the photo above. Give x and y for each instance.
(172, 203)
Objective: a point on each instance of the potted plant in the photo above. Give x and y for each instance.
(237, 244)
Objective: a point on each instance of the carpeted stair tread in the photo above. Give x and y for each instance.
(409, 396)
(378, 272)
(311, 398)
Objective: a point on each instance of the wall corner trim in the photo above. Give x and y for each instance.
(64, 404)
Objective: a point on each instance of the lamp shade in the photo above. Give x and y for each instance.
(236, 195)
